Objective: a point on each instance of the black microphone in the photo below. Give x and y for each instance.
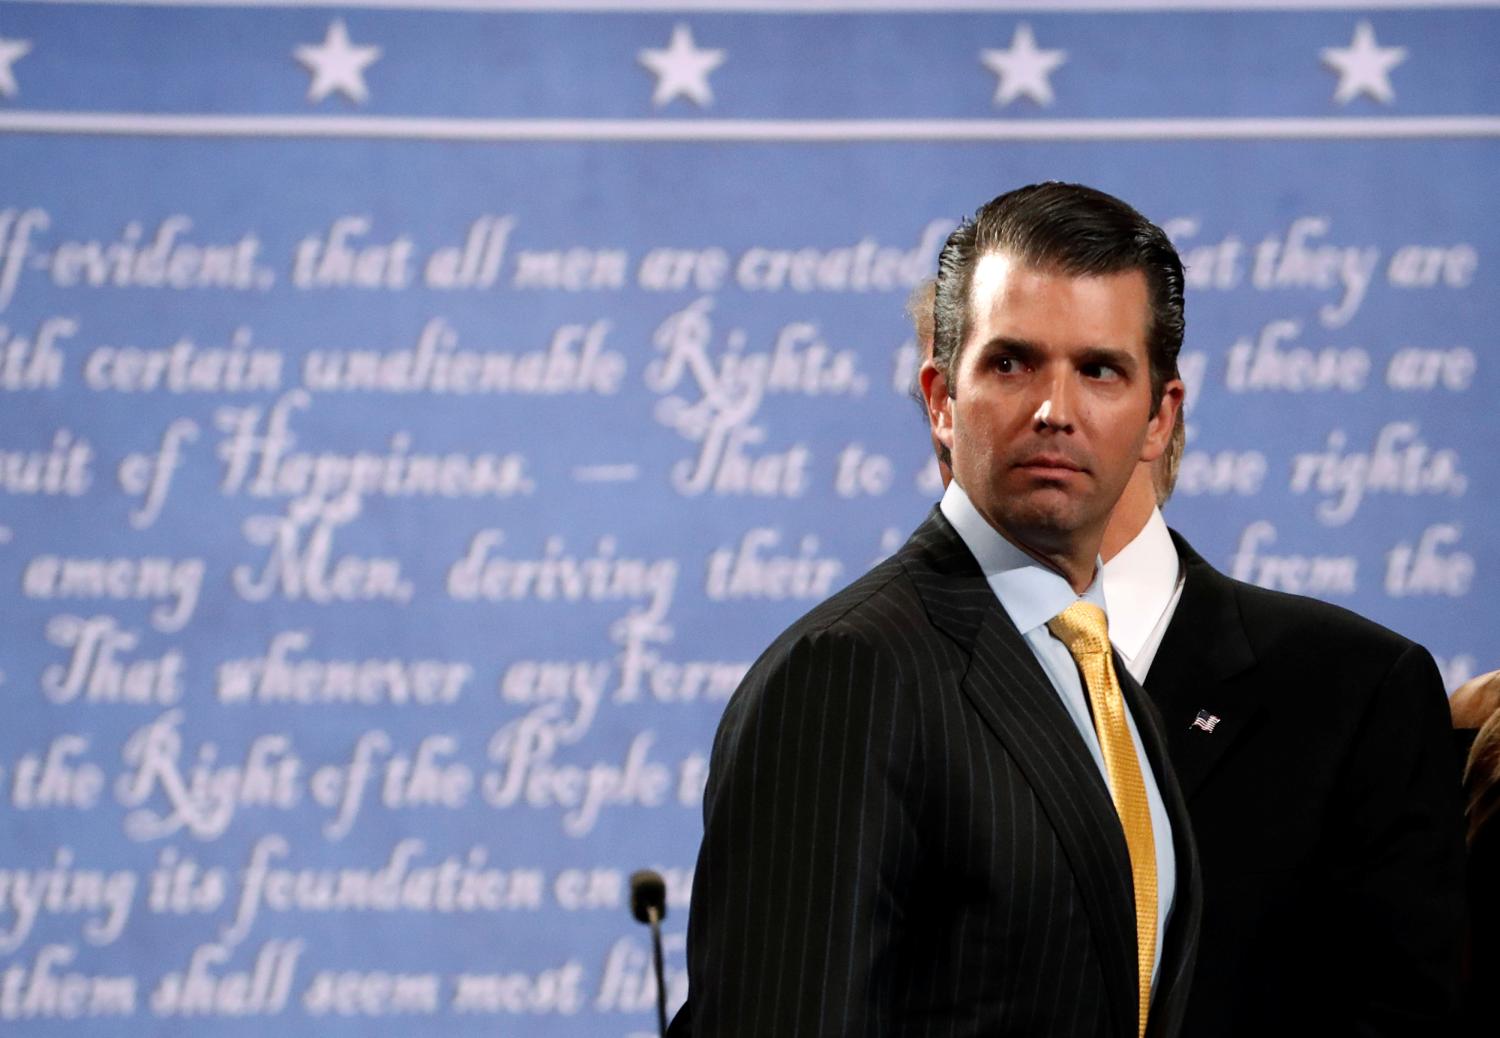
(648, 903)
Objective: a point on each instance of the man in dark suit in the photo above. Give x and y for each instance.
(934, 805)
(1308, 742)
(1313, 748)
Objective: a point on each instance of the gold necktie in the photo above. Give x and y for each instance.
(1084, 630)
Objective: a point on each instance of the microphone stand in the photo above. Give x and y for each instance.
(648, 903)
(654, 917)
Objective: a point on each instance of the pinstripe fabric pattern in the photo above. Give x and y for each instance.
(904, 834)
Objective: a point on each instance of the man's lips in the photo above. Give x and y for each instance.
(1049, 464)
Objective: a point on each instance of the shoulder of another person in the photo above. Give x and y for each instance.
(1319, 634)
(1283, 627)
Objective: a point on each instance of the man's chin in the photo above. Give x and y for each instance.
(1046, 507)
(1047, 521)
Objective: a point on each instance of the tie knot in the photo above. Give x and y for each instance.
(1082, 628)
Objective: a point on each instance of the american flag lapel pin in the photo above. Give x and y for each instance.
(1206, 721)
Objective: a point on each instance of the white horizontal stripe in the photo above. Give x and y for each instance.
(606, 473)
(816, 6)
(131, 124)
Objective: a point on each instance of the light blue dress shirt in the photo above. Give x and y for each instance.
(1033, 594)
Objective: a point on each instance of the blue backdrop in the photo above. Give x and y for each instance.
(416, 417)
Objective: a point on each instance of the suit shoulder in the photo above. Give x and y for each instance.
(849, 656)
(1310, 630)
(872, 608)
(1297, 615)
(876, 626)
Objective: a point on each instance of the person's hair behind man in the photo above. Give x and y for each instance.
(1164, 468)
(919, 313)
(1074, 230)
(1478, 702)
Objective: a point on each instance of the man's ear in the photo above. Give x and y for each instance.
(1159, 429)
(939, 403)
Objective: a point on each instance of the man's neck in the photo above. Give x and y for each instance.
(1073, 569)
(1130, 514)
(1073, 557)
(1074, 564)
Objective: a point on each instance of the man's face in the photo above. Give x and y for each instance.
(1052, 401)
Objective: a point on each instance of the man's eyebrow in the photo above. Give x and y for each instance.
(1026, 350)
(1113, 356)
(1021, 349)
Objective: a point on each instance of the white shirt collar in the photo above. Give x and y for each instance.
(1139, 584)
(1030, 592)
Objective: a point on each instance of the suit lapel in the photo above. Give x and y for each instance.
(1204, 647)
(1012, 694)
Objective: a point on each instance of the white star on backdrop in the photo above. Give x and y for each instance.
(336, 64)
(682, 69)
(11, 51)
(1364, 67)
(1023, 70)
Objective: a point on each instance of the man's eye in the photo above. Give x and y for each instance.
(1101, 372)
(1006, 365)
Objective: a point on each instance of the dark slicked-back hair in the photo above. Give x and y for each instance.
(1068, 229)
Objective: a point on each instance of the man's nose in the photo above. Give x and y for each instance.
(1055, 408)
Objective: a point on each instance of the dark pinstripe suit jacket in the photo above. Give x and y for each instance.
(905, 834)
